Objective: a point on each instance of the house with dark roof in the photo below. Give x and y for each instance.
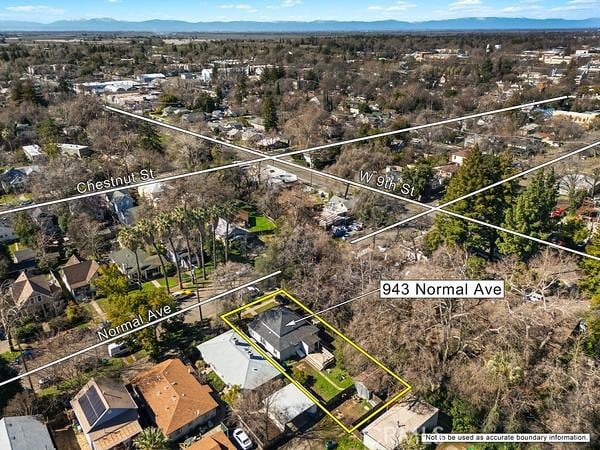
(120, 202)
(36, 296)
(272, 330)
(179, 253)
(24, 258)
(46, 221)
(17, 179)
(125, 260)
(24, 433)
(77, 276)
(175, 400)
(106, 414)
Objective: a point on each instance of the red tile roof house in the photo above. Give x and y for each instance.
(174, 398)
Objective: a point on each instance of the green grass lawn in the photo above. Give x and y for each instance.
(102, 303)
(319, 384)
(9, 356)
(262, 224)
(215, 382)
(340, 377)
(185, 277)
(349, 442)
(12, 199)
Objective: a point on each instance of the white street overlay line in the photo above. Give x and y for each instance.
(135, 330)
(443, 211)
(250, 162)
(349, 141)
(134, 185)
(389, 194)
(434, 124)
(478, 191)
(294, 322)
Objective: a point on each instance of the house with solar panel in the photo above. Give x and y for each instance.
(283, 334)
(106, 414)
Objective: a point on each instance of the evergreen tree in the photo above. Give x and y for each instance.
(486, 71)
(270, 118)
(591, 344)
(8, 391)
(150, 139)
(419, 177)
(530, 215)
(591, 284)
(477, 171)
(48, 131)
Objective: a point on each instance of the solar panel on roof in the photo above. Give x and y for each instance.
(92, 405)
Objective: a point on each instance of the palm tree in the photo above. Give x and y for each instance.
(151, 439)
(164, 225)
(185, 220)
(228, 211)
(214, 213)
(147, 232)
(198, 216)
(129, 238)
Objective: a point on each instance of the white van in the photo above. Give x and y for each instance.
(117, 349)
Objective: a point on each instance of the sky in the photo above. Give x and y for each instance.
(299, 10)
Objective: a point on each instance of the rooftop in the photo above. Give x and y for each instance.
(217, 441)
(174, 395)
(288, 403)
(79, 272)
(24, 433)
(272, 325)
(391, 427)
(236, 362)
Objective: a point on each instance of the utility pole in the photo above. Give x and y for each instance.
(9, 318)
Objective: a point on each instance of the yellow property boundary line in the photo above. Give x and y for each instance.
(281, 369)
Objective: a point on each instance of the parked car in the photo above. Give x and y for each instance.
(181, 295)
(117, 349)
(242, 439)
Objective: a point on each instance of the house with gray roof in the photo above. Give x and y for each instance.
(24, 433)
(236, 362)
(289, 407)
(125, 260)
(272, 330)
(389, 430)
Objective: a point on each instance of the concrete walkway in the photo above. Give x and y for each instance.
(98, 310)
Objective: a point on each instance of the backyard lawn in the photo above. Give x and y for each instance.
(325, 385)
(215, 382)
(261, 224)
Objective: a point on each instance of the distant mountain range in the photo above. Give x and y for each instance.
(322, 26)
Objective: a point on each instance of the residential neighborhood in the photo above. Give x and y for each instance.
(299, 225)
